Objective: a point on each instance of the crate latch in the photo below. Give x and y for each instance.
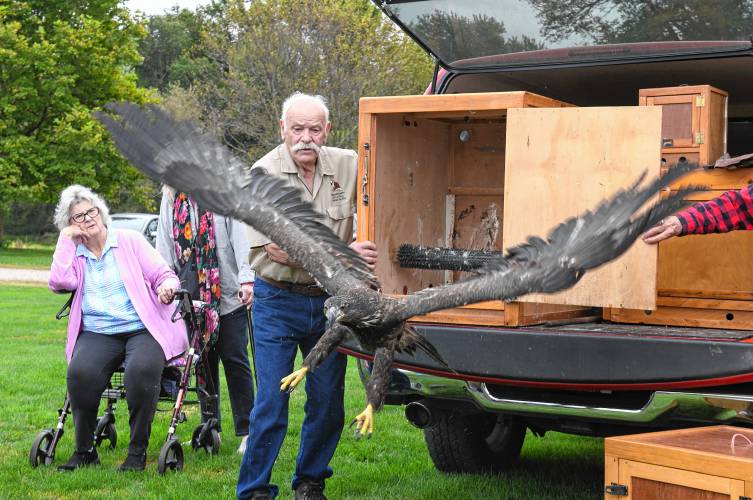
(616, 489)
(365, 178)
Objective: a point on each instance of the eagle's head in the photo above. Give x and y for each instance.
(352, 308)
(338, 309)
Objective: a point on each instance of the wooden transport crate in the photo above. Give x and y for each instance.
(694, 120)
(561, 163)
(690, 464)
(701, 280)
(434, 170)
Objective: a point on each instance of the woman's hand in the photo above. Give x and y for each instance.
(166, 293)
(75, 233)
(246, 294)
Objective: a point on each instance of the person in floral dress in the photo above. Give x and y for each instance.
(209, 251)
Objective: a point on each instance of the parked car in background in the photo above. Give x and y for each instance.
(146, 224)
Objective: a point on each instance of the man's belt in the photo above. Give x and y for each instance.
(308, 290)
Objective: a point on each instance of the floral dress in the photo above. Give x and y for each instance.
(201, 246)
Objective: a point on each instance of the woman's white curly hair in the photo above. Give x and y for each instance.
(74, 194)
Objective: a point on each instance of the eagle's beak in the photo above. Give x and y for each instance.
(332, 316)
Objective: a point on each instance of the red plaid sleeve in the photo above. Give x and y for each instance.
(729, 212)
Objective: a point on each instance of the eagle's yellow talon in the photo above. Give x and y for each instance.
(289, 383)
(365, 422)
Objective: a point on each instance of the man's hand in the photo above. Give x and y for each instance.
(277, 254)
(165, 293)
(368, 252)
(666, 228)
(246, 294)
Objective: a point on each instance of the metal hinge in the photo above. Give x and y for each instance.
(744, 498)
(700, 101)
(365, 178)
(699, 137)
(616, 489)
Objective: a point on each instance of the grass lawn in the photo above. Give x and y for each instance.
(393, 464)
(26, 258)
(28, 252)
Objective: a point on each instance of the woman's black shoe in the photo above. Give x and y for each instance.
(80, 459)
(133, 463)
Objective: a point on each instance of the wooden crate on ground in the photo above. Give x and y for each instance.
(706, 463)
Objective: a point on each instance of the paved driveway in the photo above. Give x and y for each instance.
(24, 275)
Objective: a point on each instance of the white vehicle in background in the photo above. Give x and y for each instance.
(146, 224)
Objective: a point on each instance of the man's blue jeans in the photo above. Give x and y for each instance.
(283, 322)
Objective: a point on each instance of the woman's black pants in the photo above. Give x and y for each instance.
(95, 357)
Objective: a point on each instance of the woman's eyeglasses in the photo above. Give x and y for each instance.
(79, 217)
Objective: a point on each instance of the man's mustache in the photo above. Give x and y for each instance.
(301, 146)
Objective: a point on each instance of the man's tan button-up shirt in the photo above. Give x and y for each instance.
(334, 195)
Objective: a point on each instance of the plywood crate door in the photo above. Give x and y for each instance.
(562, 162)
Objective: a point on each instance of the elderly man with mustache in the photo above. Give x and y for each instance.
(288, 308)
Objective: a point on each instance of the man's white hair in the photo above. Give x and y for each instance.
(296, 97)
(73, 195)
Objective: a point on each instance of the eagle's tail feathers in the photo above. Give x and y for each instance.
(412, 340)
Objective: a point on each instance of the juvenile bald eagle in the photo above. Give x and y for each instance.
(178, 154)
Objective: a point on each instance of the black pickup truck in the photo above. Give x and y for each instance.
(594, 374)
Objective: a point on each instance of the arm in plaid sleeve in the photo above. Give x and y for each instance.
(731, 211)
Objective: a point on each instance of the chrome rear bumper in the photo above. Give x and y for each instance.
(663, 406)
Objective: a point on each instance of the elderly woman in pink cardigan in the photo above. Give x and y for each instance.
(120, 315)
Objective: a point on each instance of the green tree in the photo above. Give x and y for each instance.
(172, 50)
(264, 50)
(623, 21)
(59, 59)
(456, 37)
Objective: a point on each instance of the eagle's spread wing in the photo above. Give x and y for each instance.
(180, 155)
(574, 247)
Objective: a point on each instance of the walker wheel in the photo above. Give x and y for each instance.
(214, 448)
(209, 441)
(40, 449)
(170, 456)
(105, 430)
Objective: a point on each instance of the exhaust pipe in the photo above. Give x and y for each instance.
(419, 414)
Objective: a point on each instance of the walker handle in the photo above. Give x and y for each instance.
(62, 313)
(184, 304)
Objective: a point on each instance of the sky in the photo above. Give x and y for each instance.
(151, 7)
